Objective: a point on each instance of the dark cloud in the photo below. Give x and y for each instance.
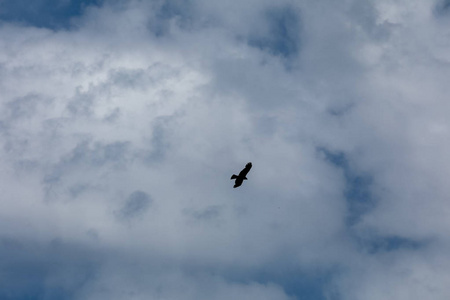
(208, 216)
(78, 189)
(135, 205)
(208, 213)
(160, 140)
(85, 156)
(23, 107)
(81, 104)
(96, 154)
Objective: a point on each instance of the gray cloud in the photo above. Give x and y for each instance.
(136, 204)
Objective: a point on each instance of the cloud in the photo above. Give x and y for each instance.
(136, 204)
(141, 111)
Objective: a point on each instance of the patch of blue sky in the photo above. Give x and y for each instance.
(296, 283)
(442, 8)
(52, 14)
(360, 201)
(35, 271)
(357, 192)
(283, 35)
(36, 290)
(300, 285)
(392, 243)
(374, 244)
(175, 8)
(181, 10)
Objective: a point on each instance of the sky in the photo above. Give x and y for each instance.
(121, 122)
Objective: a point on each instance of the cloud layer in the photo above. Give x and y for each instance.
(122, 121)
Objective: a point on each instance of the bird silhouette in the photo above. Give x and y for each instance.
(242, 175)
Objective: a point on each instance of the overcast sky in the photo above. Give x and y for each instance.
(121, 122)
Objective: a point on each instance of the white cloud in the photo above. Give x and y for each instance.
(166, 100)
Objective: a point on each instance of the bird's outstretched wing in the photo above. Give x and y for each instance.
(247, 168)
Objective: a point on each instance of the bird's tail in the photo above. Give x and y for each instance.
(233, 176)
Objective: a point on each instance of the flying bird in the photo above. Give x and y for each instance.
(242, 175)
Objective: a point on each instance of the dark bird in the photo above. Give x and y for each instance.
(241, 177)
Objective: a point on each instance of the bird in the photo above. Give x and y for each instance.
(242, 175)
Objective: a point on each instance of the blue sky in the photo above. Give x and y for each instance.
(54, 14)
(122, 121)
